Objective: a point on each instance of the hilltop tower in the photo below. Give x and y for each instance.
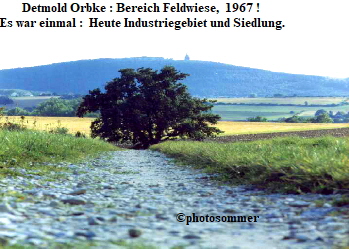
(186, 58)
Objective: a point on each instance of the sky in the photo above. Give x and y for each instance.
(313, 41)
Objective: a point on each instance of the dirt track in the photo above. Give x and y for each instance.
(339, 132)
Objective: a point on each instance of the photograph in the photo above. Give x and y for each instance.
(174, 125)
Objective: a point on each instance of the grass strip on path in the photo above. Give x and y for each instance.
(34, 150)
(288, 164)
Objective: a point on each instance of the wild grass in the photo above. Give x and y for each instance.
(290, 165)
(33, 150)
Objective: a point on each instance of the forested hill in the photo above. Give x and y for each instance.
(206, 78)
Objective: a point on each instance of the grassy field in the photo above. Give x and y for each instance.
(231, 128)
(290, 165)
(293, 100)
(241, 112)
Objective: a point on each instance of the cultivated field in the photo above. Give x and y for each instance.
(242, 112)
(83, 125)
(293, 100)
(233, 128)
(74, 124)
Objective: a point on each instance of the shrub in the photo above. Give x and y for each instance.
(80, 134)
(257, 119)
(17, 112)
(60, 130)
(296, 119)
(12, 126)
(322, 118)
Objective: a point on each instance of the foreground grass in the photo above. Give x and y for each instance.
(34, 149)
(290, 165)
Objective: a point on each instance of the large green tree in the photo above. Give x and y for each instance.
(146, 106)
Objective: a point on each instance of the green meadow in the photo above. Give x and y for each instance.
(286, 100)
(242, 112)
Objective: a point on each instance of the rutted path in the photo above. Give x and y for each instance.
(133, 192)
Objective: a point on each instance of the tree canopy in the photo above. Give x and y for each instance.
(147, 106)
(322, 118)
(56, 107)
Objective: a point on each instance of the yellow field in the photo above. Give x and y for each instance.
(49, 123)
(230, 128)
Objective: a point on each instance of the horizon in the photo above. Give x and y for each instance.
(159, 57)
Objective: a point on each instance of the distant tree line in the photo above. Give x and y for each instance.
(321, 116)
(338, 117)
(54, 107)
